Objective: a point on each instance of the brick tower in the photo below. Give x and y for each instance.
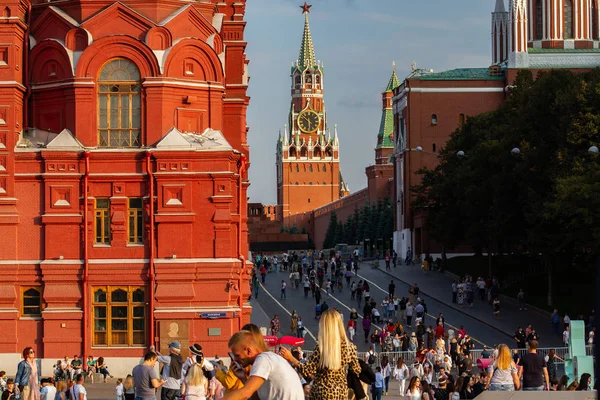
(308, 171)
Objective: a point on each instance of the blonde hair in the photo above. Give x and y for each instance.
(504, 357)
(128, 384)
(258, 337)
(246, 338)
(332, 336)
(195, 376)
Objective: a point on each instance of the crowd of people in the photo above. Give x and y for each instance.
(437, 362)
(410, 354)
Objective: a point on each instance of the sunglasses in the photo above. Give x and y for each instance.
(31, 352)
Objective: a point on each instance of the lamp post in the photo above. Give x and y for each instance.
(593, 151)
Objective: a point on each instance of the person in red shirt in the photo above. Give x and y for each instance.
(439, 331)
(351, 329)
(462, 332)
(263, 273)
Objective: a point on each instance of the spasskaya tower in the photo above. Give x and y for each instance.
(308, 163)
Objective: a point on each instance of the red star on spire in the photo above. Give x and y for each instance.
(305, 8)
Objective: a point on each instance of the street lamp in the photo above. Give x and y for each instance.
(460, 154)
(515, 151)
(593, 150)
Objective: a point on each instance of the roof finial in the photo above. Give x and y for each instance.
(307, 51)
(394, 82)
(305, 8)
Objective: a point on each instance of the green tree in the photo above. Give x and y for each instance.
(330, 235)
(542, 199)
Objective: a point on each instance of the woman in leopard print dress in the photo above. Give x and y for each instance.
(326, 366)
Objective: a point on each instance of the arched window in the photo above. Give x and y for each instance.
(539, 21)
(324, 168)
(308, 78)
(119, 316)
(119, 105)
(318, 80)
(31, 301)
(461, 119)
(568, 18)
(293, 152)
(303, 152)
(328, 152)
(297, 81)
(434, 119)
(317, 152)
(310, 168)
(297, 168)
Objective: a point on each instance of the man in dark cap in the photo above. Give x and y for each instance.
(171, 372)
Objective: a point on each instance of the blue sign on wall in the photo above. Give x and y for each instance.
(213, 315)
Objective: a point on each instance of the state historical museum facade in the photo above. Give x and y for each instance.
(123, 176)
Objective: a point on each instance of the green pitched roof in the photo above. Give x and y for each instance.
(307, 51)
(460, 74)
(386, 130)
(394, 81)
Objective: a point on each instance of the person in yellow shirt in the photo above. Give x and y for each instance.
(227, 378)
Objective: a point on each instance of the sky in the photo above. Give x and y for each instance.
(357, 40)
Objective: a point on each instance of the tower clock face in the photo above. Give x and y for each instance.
(308, 121)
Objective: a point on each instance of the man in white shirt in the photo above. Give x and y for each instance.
(78, 391)
(271, 376)
(566, 335)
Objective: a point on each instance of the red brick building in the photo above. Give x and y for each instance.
(308, 156)
(533, 34)
(123, 176)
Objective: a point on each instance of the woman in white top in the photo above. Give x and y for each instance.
(386, 371)
(440, 347)
(416, 370)
(195, 385)
(401, 375)
(414, 392)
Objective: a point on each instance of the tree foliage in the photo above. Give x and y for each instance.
(544, 199)
(372, 221)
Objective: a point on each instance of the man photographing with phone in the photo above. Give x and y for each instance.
(271, 377)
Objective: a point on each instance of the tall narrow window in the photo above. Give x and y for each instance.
(568, 18)
(461, 119)
(308, 78)
(324, 168)
(119, 112)
(433, 148)
(136, 221)
(102, 222)
(310, 168)
(119, 315)
(31, 302)
(539, 20)
(434, 119)
(595, 32)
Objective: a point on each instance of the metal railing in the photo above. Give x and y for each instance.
(409, 356)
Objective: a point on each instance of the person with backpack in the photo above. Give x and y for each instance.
(371, 356)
